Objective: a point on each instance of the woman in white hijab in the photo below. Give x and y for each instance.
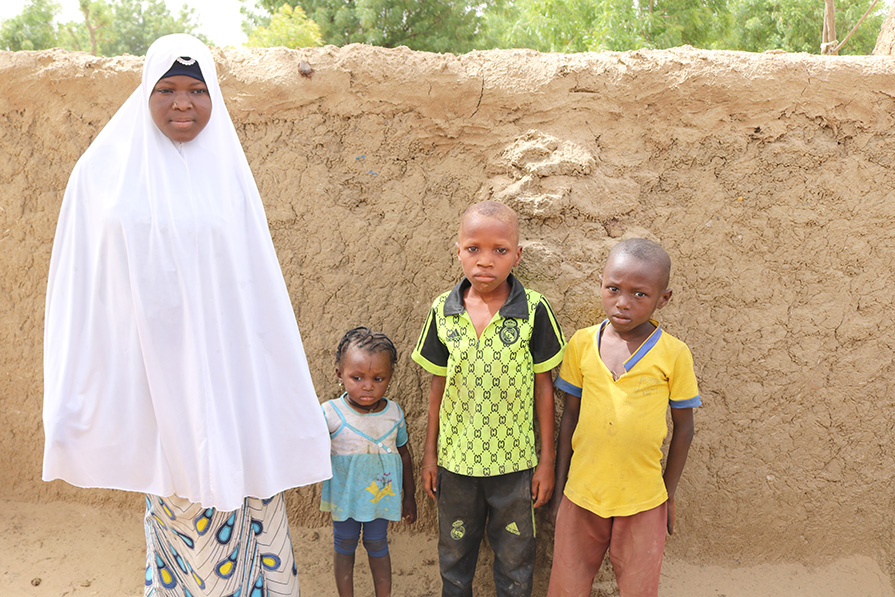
(172, 360)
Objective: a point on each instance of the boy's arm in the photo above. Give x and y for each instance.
(681, 436)
(567, 426)
(429, 472)
(408, 501)
(542, 480)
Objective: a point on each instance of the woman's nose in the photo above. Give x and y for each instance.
(182, 101)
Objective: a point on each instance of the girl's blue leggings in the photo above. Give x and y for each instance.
(347, 532)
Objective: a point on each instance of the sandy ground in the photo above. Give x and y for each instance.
(62, 549)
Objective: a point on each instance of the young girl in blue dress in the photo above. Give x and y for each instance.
(370, 459)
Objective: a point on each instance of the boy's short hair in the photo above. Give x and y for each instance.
(492, 209)
(646, 250)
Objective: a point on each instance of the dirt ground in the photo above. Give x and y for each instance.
(61, 549)
(768, 177)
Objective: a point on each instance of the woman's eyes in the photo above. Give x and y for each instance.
(167, 90)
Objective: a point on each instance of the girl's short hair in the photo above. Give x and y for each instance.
(366, 339)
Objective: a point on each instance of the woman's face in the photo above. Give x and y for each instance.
(180, 107)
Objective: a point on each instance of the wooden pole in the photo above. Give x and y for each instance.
(828, 43)
(855, 28)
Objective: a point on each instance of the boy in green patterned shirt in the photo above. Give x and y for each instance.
(490, 345)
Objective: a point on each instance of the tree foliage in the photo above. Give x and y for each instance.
(135, 24)
(585, 25)
(112, 27)
(751, 25)
(795, 25)
(32, 29)
(87, 35)
(433, 25)
(108, 28)
(289, 27)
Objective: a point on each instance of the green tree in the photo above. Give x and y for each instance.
(135, 24)
(796, 25)
(87, 36)
(546, 25)
(433, 25)
(109, 28)
(582, 25)
(32, 29)
(289, 27)
(670, 23)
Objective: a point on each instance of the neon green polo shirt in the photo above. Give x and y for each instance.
(486, 422)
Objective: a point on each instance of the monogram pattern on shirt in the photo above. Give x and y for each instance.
(487, 419)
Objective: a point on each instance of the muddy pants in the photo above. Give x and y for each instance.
(470, 506)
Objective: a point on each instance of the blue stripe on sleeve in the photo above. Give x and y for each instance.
(692, 402)
(569, 388)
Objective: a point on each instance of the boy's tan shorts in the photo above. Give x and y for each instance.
(635, 545)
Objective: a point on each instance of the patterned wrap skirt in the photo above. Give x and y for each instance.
(193, 551)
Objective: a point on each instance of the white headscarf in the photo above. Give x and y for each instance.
(172, 359)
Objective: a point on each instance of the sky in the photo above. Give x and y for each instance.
(219, 20)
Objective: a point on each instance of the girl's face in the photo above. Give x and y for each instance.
(180, 107)
(366, 376)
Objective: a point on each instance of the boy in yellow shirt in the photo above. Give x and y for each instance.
(619, 378)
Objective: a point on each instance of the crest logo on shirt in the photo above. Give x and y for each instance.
(509, 332)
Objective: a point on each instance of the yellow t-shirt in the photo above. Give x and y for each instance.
(616, 467)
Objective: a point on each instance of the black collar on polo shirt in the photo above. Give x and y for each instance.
(516, 305)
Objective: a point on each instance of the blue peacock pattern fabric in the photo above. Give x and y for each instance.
(194, 551)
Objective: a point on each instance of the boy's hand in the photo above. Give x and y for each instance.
(408, 509)
(671, 516)
(428, 477)
(542, 484)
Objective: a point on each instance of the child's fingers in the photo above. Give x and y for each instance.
(541, 492)
(537, 493)
(428, 478)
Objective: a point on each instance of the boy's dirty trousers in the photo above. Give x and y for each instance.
(500, 505)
